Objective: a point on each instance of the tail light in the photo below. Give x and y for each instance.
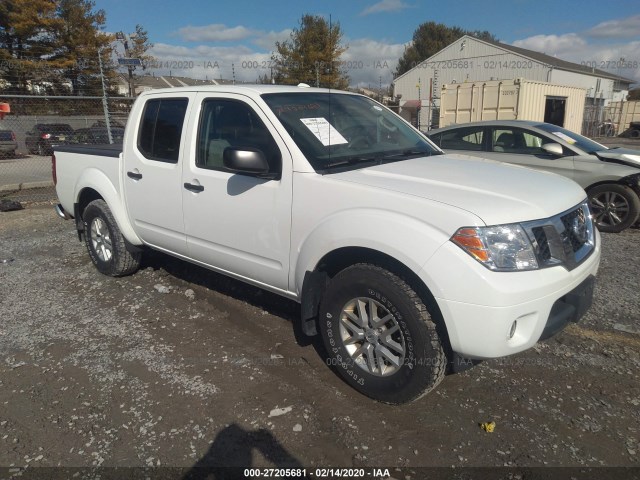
(45, 136)
(13, 136)
(53, 170)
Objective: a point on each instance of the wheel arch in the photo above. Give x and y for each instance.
(624, 182)
(95, 185)
(316, 281)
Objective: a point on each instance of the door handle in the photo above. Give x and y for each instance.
(134, 175)
(193, 188)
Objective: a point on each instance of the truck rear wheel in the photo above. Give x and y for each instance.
(379, 335)
(105, 243)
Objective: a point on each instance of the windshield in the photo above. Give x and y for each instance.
(340, 130)
(572, 138)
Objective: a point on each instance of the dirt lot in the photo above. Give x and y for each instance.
(176, 366)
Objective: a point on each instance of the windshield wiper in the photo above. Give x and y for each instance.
(354, 161)
(410, 152)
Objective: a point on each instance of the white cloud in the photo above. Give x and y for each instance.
(366, 60)
(216, 32)
(267, 40)
(204, 61)
(619, 28)
(552, 44)
(576, 48)
(385, 6)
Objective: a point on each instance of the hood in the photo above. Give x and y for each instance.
(495, 192)
(624, 156)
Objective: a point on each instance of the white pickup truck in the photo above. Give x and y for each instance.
(406, 260)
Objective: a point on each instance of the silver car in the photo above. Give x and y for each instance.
(611, 177)
(8, 144)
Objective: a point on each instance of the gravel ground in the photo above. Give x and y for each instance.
(177, 366)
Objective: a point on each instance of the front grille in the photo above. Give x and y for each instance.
(575, 228)
(565, 239)
(542, 244)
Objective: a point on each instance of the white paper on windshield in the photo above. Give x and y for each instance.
(324, 131)
(565, 137)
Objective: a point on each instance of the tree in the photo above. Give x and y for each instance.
(137, 49)
(311, 55)
(78, 39)
(26, 37)
(140, 45)
(51, 46)
(431, 37)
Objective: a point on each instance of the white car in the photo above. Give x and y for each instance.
(611, 177)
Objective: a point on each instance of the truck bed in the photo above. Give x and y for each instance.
(105, 150)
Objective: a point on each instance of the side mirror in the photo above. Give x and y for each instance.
(554, 149)
(246, 160)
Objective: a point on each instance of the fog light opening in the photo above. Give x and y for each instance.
(512, 332)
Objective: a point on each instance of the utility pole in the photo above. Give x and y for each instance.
(125, 40)
(419, 85)
(105, 103)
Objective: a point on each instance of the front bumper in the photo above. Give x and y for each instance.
(569, 308)
(479, 306)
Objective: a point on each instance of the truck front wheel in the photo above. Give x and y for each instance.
(379, 335)
(105, 243)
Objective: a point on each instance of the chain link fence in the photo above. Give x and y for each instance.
(614, 119)
(35, 123)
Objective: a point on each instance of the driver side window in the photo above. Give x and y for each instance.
(517, 140)
(229, 123)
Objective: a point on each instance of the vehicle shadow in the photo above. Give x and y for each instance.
(232, 452)
(256, 297)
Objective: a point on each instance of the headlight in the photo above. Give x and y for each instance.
(500, 248)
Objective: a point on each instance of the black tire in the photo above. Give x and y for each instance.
(634, 133)
(105, 243)
(615, 207)
(417, 371)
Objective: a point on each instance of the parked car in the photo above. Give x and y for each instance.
(611, 176)
(96, 136)
(405, 260)
(43, 135)
(8, 144)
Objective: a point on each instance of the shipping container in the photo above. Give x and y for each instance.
(517, 99)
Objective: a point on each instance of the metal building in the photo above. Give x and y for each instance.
(470, 59)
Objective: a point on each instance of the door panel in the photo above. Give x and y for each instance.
(237, 223)
(153, 173)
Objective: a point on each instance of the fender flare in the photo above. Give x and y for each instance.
(361, 228)
(95, 179)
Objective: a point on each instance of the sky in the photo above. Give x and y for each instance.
(212, 39)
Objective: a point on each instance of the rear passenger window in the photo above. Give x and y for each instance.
(161, 129)
(470, 138)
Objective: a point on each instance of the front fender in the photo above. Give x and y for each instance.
(405, 238)
(97, 180)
